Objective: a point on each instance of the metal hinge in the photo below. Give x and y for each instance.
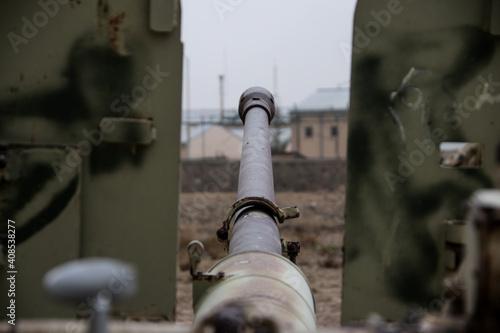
(495, 17)
(163, 15)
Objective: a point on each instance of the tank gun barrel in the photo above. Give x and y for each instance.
(255, 288)
(254, 229)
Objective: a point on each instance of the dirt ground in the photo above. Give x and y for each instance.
(319, 229)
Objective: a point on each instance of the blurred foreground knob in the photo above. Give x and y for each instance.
(96, 281)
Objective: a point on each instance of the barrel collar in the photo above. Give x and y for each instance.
(256, 97)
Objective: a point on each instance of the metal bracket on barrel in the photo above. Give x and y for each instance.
(281, 214)
(290, 248)
(195, 250)
(201, 280)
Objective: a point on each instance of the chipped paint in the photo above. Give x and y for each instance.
(115, 31)
(399, 94)
(111, 25)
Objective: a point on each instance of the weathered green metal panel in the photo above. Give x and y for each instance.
(423, 72)
(103, 78)
(46, 224)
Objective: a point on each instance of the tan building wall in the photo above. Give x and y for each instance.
(184, 154)
(216, 141)
(313, 134)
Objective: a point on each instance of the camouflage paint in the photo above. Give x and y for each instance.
(418, 78)
(81, 81)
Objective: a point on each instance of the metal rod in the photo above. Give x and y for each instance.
(255, 229)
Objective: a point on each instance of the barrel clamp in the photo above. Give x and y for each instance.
(280, 214)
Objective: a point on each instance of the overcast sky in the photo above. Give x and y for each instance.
(245, 39)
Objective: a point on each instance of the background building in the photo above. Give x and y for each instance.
(319, 124)
(207, 135)
(213, 141)
(315, 128)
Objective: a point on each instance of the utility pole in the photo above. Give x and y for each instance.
(275, 84)
(188, 107)
(221, 90)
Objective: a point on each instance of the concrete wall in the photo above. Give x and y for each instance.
(289, 175)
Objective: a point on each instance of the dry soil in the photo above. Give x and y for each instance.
(319, 229)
